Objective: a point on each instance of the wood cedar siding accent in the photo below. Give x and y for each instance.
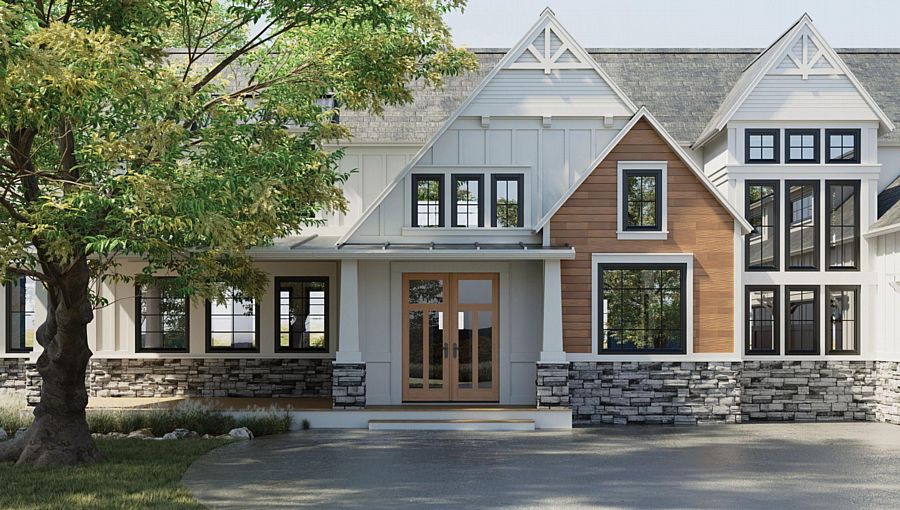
(697, 224)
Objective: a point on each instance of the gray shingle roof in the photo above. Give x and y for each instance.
(681, 87)
(888, 206)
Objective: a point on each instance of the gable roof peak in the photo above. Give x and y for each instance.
(548, 12)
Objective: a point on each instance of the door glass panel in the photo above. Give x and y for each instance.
(436, 349)
(485, 349)
(415, 349)
(465, 350)
(475, 292)
(426, 291)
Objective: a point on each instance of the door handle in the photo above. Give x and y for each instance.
(446, 350)
(455, 351)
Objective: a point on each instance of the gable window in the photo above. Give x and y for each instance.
(428, 200)
(761, 201)
(507, 200)
(21, 298)
(762, 320)
(842, 236)
(642, 308)
(232, 325)
(843, 319)
(842, 145)
(802, 250)
(801, 145)
(761, 146)
(641, 200)
(468, 191)
(161, 318)
(802, 319)
(302, 308)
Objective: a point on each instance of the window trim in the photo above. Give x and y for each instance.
(137, 323)
(454, 178)
(776, 185)
(788, 218)
(857, 289)
(635, 172)
(817, 147)
(776, 322)
(210, 349)
(416, 178)
(685, 299)
(856, 242)
(817, 319)
(301, 279)
(520, 178)
(7, 315)
(776, 149)
(857, 133)
(662, 232)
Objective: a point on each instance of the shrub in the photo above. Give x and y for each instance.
(13, 414)
(200, 420)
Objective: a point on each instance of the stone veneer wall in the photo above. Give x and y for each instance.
(12, 375)
(887, 392)
(654, 392)
(552, 385)
(349, 385)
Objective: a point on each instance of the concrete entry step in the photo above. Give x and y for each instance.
(487, 425)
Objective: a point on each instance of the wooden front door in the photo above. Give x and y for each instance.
(451, 342)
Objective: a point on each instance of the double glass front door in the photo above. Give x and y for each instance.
(451, 343)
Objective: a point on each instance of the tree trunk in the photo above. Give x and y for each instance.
(60, 434)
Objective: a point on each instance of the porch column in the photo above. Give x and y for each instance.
(348, 377)
(552, 383)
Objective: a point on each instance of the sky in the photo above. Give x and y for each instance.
(680, 23)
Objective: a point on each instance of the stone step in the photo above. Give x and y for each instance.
(482, 425)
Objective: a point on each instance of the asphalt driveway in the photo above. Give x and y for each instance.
(837, 465)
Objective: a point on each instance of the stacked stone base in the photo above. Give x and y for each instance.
(12, 376)
(349, 385)
(553, 385)
(887, 392)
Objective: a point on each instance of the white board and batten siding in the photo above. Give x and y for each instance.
(888, 307)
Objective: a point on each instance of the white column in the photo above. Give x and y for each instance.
(552, 338)
(348, 329)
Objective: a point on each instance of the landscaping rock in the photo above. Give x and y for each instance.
(3, 435)
(141, 434)
(181, 434)
(20, 432)
(241, 433)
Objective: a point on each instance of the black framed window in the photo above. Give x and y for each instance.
(162, 318)
(801, 145)
(21, 299)
(842, 330)
(802, 214)
(232, 325)
(842, 234)
(762, 320)
(428, 200)
(761, 245)
(801, 319)
(508, 200)
(842, 145)
(642, 308)
(468, 203)
(761, 145)
(302, 313)
(641, 200)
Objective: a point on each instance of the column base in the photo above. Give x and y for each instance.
(553, 385)
(348, 385)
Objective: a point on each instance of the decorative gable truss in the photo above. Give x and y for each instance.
(807, 57)
(549, 51)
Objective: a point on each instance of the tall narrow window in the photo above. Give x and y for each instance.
(302, 305)
(21, 297)
(801, 146)
(802, 319)
(468, 207)
(842, 145)
(762, 320)
(428, 200)
(842, 236)
(761, 146)
(508, 199)
(232, 325)
(162, 318)
(641, 200)
(761, 199)
(842, 329)
(802, 251)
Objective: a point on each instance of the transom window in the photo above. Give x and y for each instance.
(842, 145)
(428, 200)
(302, 313)
(467, 204)
(162, 317)
(761, 145)
(802, 251)
(21, 298)
(802, 145)
(761, 199)
(842, 207)
(762, 320)
(232, 325)
(642, 308)
(802, 319)
(843, 319)
(642, 199)
(507, 206)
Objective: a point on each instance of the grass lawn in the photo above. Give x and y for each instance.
(138, 474)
